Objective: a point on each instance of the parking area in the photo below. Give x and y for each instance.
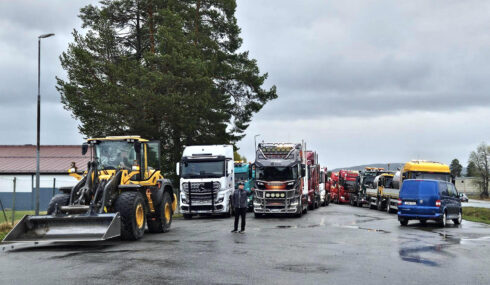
(338, 244)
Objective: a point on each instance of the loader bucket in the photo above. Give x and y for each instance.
(69, 228)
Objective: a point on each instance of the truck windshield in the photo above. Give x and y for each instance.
(203, 169)
(368, 180)
(115, 154)
(350, 185)
(241, 176)
(273, 173)
(435, 176)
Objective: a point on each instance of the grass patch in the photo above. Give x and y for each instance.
(177, 216)
(481, 215)
(18, 215)
(477, 197)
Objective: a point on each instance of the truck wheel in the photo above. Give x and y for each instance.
(379, 205)
(459, 219)
(257, 215)
(60, 199)
(187, 216)
(131, 207)
(163, 218)
(403, 222)
(388, 209)
(327, 201)
(371, 206)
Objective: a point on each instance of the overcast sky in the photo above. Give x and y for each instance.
(359, 81)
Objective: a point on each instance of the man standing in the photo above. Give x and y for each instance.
(240, 204)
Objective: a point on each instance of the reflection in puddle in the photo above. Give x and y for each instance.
(412, 252)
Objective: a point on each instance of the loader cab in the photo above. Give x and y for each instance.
(141, 158)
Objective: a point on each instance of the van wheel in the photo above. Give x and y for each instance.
(459, 219)
(403, 222)
(443, 222)
(423, 222)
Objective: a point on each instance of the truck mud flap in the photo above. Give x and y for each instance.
(71, 228)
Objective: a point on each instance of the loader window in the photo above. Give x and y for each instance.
(115, 154)
(153, 154)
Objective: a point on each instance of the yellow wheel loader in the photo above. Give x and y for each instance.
(121, 192)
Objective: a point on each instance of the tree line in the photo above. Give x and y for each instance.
(478, 167)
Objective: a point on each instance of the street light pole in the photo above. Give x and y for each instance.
(38, 146)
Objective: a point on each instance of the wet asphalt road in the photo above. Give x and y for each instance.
(334, 245)
(476, 203)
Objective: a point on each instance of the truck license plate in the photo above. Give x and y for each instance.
(410, 203)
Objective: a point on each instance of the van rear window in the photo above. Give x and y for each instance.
(419, 187)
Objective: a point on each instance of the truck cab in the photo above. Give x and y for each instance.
(207, 180)
(313, 169)
(279, 184)
(245, 173)
(348, 183)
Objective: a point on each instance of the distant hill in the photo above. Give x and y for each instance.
(393, 166)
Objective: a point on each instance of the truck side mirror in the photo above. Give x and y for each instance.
(84, 148)
(137, 147)
(177, 169)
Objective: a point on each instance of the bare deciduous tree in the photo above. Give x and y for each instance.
(480, 158)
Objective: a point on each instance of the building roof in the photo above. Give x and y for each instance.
(54, 159)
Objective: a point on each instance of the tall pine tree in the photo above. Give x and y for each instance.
(167, 70)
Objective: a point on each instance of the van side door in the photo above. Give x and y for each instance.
(455, 202)
(444, 197)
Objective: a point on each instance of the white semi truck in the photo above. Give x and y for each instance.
(207, 180)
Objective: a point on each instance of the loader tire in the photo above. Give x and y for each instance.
(162, 220)
(60, 199)
(131, 207)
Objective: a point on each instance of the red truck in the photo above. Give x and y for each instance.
(314, 197)
(333, 187)
(348, 183)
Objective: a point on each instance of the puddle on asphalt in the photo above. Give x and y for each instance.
(304, 268)
(427, 254)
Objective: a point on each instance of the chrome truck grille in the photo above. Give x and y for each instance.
(199, 191)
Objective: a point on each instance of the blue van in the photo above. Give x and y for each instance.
(429, 200)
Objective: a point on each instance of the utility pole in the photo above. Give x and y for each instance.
(38, 146)
(13, 202)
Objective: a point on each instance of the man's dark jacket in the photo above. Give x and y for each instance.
(240, 198)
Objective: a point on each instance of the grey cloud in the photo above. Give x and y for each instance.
(341, 68)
